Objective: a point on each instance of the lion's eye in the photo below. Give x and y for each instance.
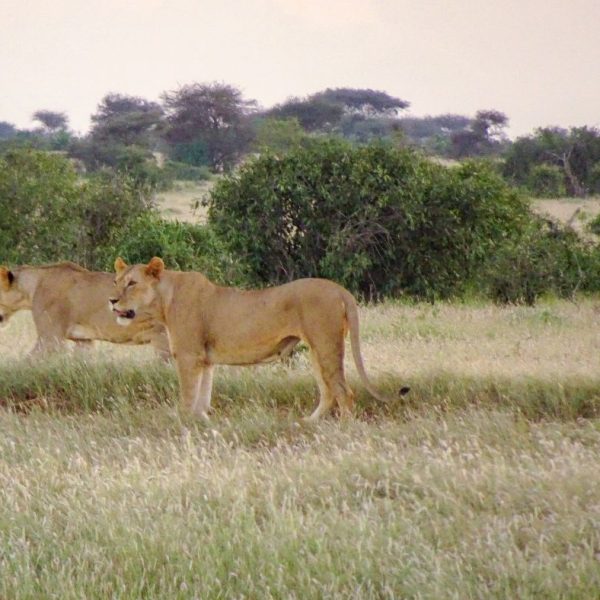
(131, 283)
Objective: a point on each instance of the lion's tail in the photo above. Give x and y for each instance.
(352, 317)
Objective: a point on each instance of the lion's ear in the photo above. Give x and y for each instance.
(120, 265)
(155, 267)
(6, 278)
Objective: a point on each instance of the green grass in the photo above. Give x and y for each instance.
(483, 482)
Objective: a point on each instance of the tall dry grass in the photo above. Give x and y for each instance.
(482, 483)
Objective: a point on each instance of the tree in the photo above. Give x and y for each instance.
(52, 121)
(7, 130)
(576, 152)
(327, 110)
(484, 136)
(126, 120)
(278, 135)
(313, 115)
(365, 101)
(213, 116)
(434, 133)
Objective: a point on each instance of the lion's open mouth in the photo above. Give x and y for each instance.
(124, 314)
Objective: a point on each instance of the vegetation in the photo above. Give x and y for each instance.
(212, 126)
(574, 153)
(51, 215)
(379, 220)
(182, 246)
(484, 483)
(208, 124)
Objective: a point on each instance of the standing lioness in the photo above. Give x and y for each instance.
(69, 302)
(210, 325)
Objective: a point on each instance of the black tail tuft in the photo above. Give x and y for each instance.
(404, 390)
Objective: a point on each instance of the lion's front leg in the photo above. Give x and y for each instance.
(202, 403)
(189, 372)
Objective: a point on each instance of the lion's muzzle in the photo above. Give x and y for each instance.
(124, 314)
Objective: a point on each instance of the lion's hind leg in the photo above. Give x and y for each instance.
(328, 367)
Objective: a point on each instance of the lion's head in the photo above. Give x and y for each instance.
(135, 291)
(12, 297)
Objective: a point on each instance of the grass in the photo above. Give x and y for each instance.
(576, 211)
(482, 483)
(181, 202)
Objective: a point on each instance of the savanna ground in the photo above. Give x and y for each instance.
(483, 482)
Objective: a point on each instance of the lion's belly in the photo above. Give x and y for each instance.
(259, 353)
(81, 332)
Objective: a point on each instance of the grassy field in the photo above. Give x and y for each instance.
(483, 482)
(182, 202)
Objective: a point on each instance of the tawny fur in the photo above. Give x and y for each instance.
(210, 325)
(69, 302)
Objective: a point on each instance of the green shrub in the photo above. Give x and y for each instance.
(139, 164)
(192, 153)
(547, 258)
(377, 219)
(108, 203)
(546, 180)
(49, 214)
(185, 172)
(39, 195)
(183, 246)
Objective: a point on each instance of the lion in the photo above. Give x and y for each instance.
(68, 302)
(210, 325)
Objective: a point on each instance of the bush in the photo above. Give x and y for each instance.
(108, 203)
(183, 246)
(546, 258)
(184, 172)
(39, 194)
(379, 220)
(49, 214)
(546, 181)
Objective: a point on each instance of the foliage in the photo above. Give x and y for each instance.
(185, 172)
(434, 133)
(326, 111)
(108, 202)
(50, 215)
(381, 221)
(126, 120)
(483, 137)
(182, 246)
(365, 101)
(278, 135)
(546, 180)
(576, 152)
(194, 153)
(38, 195)
(212, 117)
(51, 120)
(545, 258)
(7, 130)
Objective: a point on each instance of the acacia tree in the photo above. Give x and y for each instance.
(52, 121)
(208, 123)
(327, 110)
(126, 120)
(484, 136)
(7, 130)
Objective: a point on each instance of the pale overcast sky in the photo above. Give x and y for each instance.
(538, 61)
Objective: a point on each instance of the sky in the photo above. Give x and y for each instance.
(538, 61)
